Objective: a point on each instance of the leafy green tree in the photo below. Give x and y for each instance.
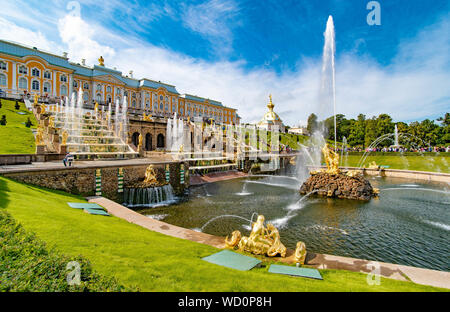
(357, 133)
(371, 131)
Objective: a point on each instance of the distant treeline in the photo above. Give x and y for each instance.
(362, 131)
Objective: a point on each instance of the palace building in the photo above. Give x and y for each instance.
(26, 71)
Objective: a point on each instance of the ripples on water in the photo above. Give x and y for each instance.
(409, 223)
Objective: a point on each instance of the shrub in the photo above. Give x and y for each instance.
(3, 120)
(1, 103)
(27, 265)
(17, 106)
(28, 123)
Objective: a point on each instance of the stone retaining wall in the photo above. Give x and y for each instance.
(81, 181)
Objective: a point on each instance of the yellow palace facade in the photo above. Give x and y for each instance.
(26, 71)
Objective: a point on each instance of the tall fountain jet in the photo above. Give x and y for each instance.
(328, 68)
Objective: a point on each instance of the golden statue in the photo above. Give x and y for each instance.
(120, 127)
(140, 141)
(42, 108)
(147, 117)
(96, 107)
(261, 241)
(234, 240)
(64, 135)
(331, 160)
(101, 61)
(51, 122)
(300, 253)
(277, 247)
(39, 136)
(373, 165)
(353, 173)
(36, 98)
(181, 149)
(150, 176)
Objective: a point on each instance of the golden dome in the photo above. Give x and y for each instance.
(270, 117)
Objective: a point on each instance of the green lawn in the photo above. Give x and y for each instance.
(152, 261)
(421, 163)
(15, 138)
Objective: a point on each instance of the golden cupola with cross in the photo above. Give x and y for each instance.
(271, 118)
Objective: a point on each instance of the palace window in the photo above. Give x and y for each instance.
(47, 87)
(86, 86)
(47, 75)
(133, 103)
(63, 90)
(2, 80)
(161, 98)
(167, 107)
(147, 104)
(35, 85)
(3, 65)
(23, 70)
(23, 83)
(63, 78)
(86, 96)
(118, 91)
(134, 95)
(99, 97)
(108, 89)
(75, 84)
(35, 72)
(99, 87)
(125, 93)
(161, 106)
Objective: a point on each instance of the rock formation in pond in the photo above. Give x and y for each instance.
(331, 182)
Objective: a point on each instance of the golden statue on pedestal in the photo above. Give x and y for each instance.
(39, 136)
(331, 160)
(140, 141)
(101, 61)
(261, 241)
(150, 176)
(36, 98)
(300, 253)
(51, 122)
(96, 107)
(64, 135)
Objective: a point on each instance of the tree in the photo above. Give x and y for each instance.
(371, 131)
(312, 123)
(17, 106)
(3, 120)
(357, 132)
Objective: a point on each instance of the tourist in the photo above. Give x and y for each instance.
(68, 159)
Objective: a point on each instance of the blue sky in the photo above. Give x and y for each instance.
(240, 51)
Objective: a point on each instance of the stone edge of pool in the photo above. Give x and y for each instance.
(319, 261)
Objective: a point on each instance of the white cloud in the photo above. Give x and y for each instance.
(212, 20)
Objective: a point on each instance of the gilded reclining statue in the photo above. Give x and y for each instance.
(261, 241)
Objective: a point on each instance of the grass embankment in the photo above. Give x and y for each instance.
(427, 162)
(15, 137)
(26, 264)
(152, 261)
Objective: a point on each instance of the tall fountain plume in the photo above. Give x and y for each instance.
(328, 70)
(311, 155)
(116, 117)
(124, 133)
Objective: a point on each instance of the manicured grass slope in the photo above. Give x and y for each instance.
(152, 261)
(420, 163)
(26, 264)
(15, 138)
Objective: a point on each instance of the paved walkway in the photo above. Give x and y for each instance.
(82, 164)
(215, 176)
(319, 261)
